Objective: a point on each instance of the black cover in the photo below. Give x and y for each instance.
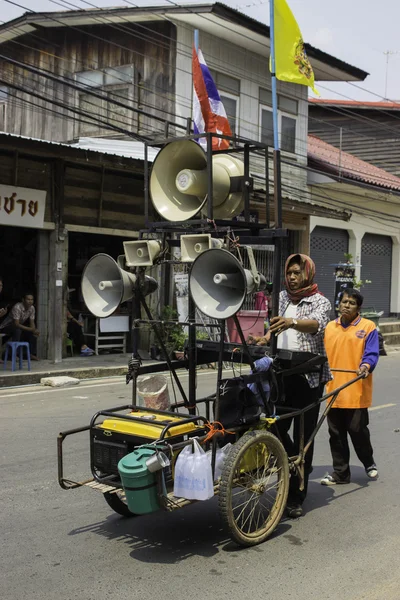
(237, 404)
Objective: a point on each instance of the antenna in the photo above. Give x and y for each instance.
(387, 54)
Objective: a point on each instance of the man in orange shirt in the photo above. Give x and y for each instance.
(351, 343)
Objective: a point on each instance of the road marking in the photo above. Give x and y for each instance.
(381, 406)
(66, 389)
(94, 385)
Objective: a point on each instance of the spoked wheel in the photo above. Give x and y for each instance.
(254, 487)
(117, 502)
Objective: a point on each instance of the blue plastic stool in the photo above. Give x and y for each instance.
(17, 347)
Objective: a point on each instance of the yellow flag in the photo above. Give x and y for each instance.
(291, 61)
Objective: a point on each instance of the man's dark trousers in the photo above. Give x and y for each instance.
(298, 395)
(354, 422)
(19, 335)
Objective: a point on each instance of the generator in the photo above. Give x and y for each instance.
(118, 436)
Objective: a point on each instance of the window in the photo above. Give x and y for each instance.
(287, 118)
(114, 83)
(3, 107)
(229, 91)
(288, 134)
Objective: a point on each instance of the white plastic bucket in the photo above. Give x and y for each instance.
(152, 392)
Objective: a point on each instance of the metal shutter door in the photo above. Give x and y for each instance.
(376, 265)
(327, 248)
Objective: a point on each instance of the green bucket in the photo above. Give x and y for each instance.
(139, 484)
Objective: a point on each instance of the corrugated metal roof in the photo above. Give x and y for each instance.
(122, 148)
(356, 103)
(125, 148)
(349, 166)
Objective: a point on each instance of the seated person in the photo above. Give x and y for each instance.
(20, 323)
(75, 332)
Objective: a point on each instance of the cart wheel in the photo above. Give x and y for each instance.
(117, 502)
(254, 487)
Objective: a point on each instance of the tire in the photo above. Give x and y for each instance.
(116, 501)
(254, 487)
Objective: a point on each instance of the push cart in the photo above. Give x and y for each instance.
(253, 487)
(125, 441)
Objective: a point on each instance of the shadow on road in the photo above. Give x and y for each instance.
(169, 538)
(321, 495)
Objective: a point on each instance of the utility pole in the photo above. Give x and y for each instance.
(387, 54)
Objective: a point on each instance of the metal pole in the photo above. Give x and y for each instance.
(267, 212)
(210, 213)
(146, 185)
(246, 190)
(277, 179)
(192, 355)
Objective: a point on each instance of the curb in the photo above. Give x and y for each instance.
(30, 378)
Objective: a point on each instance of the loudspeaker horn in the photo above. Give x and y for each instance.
(219, 284)
(179, 182)
(105, 285)
(194, 244)
(141, 253)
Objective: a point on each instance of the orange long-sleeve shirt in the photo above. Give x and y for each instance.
(347, 348)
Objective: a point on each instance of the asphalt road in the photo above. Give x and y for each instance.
(65, 545)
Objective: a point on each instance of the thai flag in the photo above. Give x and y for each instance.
(208, 111)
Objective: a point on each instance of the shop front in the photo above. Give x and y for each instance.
(59, 206)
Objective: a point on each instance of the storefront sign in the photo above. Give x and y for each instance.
(22, 207)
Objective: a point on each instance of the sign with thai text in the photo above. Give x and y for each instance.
(22, 207)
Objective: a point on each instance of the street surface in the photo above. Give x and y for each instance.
(67, 545)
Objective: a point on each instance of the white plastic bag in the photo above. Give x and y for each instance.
(193, 476)
(220, 457)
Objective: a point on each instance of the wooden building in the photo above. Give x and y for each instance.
(114, 75)
(369, 130)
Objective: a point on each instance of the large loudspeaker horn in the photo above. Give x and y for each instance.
(105, 285)
(141, 253)
(219, 284)
(178, 182)
(193, 245)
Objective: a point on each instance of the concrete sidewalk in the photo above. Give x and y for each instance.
(105, 365)
(88, 367)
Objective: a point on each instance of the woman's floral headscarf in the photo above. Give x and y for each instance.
(307, 266)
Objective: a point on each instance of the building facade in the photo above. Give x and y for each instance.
(124, 75)
(371, 198)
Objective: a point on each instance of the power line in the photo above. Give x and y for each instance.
(321, 195)
(81, 88)
(302, 141)
(71, 109)
(102, 97)
(116, 95)
(105, 20)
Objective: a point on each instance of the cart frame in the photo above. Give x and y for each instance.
(258, 457)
